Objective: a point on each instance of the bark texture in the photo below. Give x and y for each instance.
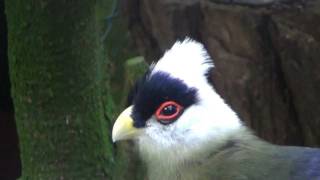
(56, 70)
(266, 58)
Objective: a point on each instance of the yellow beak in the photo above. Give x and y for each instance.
(123, 127)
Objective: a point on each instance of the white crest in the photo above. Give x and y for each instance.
(187, 60)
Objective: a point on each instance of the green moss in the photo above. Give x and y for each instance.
(57, 75)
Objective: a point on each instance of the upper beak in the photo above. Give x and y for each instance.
(123, 127)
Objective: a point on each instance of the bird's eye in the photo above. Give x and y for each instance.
(168, 112)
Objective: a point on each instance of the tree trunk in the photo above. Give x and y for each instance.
(56, 70)
(266, 57)
(10, 165)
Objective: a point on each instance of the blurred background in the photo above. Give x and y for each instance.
(66, 68)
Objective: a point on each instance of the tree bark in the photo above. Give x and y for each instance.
(266, 57)
(56, 70)
(10, 165)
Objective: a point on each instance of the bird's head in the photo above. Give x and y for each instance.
(174, 110)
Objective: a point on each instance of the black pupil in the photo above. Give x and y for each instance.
(169, 110)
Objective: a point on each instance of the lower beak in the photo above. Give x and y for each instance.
(123, 127)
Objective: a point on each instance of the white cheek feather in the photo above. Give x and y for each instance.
(203, 126)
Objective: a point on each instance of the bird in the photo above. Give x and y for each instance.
(184, 130)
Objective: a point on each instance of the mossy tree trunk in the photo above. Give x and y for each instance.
(56, 69)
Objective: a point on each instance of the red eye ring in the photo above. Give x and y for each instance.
(168, 118)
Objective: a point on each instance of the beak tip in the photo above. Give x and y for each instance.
(114, 140)
(123, 128)
(114, 136)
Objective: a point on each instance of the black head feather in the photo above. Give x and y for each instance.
(152, 90)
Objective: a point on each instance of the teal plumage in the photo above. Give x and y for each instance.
(258, 160)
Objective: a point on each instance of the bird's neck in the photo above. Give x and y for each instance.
(176, 162)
